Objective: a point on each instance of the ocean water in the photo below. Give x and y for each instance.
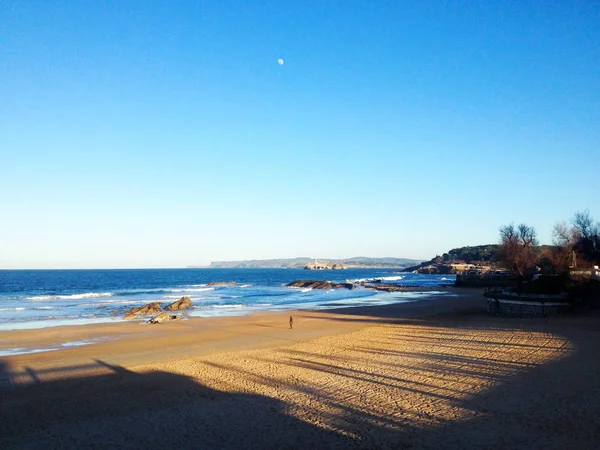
(44, 298)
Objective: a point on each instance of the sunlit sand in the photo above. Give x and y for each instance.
(442, 376)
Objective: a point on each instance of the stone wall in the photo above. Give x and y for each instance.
(485, 280)
(521, 308)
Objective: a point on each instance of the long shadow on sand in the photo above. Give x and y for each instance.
(120, 408)
(551, 405)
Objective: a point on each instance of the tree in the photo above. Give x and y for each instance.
(518, 247)
(587, 235)
(564, 238)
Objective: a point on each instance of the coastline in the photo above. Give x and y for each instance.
(39, 299)
(410, 374)
(200, 334)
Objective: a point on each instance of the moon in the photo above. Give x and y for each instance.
(280, 62)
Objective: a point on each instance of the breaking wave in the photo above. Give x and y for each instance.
(71, 297)
(394, 278)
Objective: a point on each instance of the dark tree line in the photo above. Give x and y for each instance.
(518, 247)
(477, 253)
(576, 245)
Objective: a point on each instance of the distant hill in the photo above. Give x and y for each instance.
(478, 254)
(299, 263)
(471, 254)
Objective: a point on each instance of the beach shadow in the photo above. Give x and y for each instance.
(553, 403)
(124, 409)
(511, 404)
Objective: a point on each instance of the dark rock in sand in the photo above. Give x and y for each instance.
(163, 317)
(183, 303)
(389, 287)
(150, 308)
(320, 284)
(221, 283)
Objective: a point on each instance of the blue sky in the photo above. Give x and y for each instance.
(165, 134)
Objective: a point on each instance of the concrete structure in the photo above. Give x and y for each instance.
(511, 304)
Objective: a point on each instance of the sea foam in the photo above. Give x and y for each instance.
(71, 297)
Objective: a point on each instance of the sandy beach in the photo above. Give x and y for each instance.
(437, 373)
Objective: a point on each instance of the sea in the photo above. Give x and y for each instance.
(31, 299)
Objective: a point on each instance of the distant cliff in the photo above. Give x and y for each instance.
(300, 263)
(447, 263)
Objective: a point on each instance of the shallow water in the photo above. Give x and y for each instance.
(32, 299)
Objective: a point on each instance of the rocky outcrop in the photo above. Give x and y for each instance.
(221, 283)
(437, 269)
(183, 303)
(320, 284)
(150, 308)
(388, 287)
(163, 317)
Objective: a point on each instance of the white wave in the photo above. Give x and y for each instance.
(371, 280)
(46, 307)
(227, 306)
(244, 285)
(111, 302)
(444, 278)
(305, 289)
(12, 309)
(198, 285)
(76, 343)
(394, 278)
(358, 280)
(71, 297)
(191, 290)
(86, 295)
(262, 304)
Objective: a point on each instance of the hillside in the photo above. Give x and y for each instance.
(470, 254)
(484, 255)
(299, 263)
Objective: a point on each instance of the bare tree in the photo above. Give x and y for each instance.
(518, 247)
(587, 236)
(564, 238)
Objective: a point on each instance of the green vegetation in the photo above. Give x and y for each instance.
(478, 253)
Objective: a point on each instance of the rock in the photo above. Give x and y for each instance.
(389, 287)
(320, 284)
(221, 283)
(183, 303)
(150, 308)
(163, 317)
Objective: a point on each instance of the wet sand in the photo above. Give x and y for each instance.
(438, 373)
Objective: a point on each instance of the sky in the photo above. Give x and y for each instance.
(168, 134)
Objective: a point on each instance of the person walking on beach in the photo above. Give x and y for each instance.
(291, 322)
